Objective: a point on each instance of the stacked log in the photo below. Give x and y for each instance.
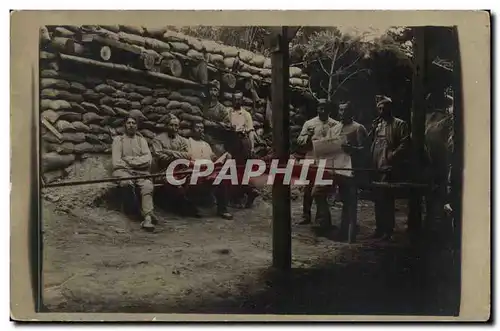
(88, 109)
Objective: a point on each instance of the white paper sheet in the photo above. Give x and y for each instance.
(331, 150)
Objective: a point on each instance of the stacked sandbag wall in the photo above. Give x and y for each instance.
(89, 108)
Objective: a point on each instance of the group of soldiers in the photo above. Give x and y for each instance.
(389, 139)
(132, 156)
(382, 153)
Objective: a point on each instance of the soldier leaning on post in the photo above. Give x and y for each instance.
(314, 129)
(389, 151)
(131, 157)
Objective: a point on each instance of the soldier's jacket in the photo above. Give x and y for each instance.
(131, 153)
(218, 113)
(166, 149)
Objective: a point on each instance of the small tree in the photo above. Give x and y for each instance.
(333, 59)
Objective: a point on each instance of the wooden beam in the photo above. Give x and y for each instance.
(122, 67)
(420, 50)
(282, 241)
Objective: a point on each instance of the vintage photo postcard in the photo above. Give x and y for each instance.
(250, 166)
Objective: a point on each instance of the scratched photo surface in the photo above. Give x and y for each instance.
(119, 103)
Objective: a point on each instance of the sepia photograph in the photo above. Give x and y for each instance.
(298, 170)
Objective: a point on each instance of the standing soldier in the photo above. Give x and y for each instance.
(242, 141)
(389, 151)
(314, 129)
(355, 137)
(131, 157)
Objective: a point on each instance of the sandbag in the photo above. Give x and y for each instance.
(161, 110)
(147, 101)
(128, 88)
(122, 103)
(173, 104)
(173, 36)
(229, 62)
(134, 96)
(64, 126)
(50, 116)
(144, 90)
(162, 93)
(69, 116)
(104, 88)
(161, 102)
(77, 108)
(195, 110)
(49, 73)
(132, 29)
(59, 94)
(194, 54)
(212, 46)
(90, 107)
(55, 161)
(186, 107)
(267, 63)
(215, 58)
(176, 111)
(135, 105)
(64, 148)
(55, 104)
(179, 47)
(105, 138)
(77, 87)
(247, 101)
(84, 147)
(91, 117)
(194, 43)
(154, 117)
(227, 103)
(55, 83)
(230, 51)
(120, 94)
(106, 110)
(258, 60)
(175, 96)
(192, 100)
(296, 81)
(136, 113)
(118, 122)
(155, 32)
(121, 112)
(80, 127)
(266, 72)
(258, 117)
(109, 101)
(120, 130)
(191, 118)
(147, 133)
(295, 72)
(157, 45)
(185, 124)
(148, 109)
(94, 128)
(107, 120)
(92, 138)
(132, 39)
(74, 137)
(92, 96)
(114, 83)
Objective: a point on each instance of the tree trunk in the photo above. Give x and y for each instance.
(171, 67)
(200, 72)
(63, 45)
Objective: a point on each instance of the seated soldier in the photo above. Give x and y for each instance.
(131, 157)
(201, 150)
(167, 147)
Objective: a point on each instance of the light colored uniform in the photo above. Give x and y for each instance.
(131, 157)
(200, 150)
(167, 149)
(241, 119)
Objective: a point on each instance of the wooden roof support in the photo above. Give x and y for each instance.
(124, 68)
(280, 87)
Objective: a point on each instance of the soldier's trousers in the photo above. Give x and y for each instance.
(145, 187)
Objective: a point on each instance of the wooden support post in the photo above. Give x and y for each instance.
(282, 241)
(420, 49)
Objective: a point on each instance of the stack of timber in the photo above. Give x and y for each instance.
(93, 77)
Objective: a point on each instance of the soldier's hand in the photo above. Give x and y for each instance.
(347, 148)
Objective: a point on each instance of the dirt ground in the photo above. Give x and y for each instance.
(97, 260)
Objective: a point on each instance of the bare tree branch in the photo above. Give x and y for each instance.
(323, 68)
(343, 70)
(310, 90)
(322, 87)
(346, 79)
